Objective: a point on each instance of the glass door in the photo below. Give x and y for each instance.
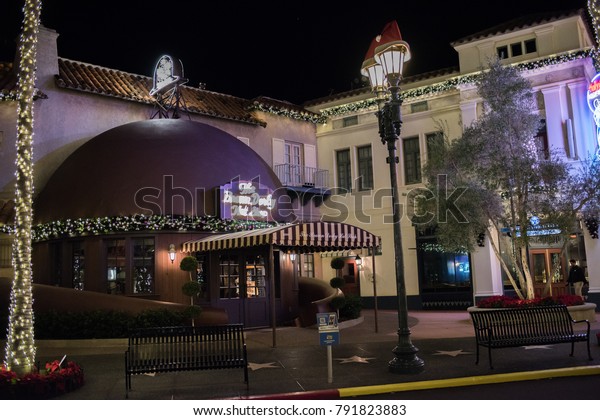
(548, 271)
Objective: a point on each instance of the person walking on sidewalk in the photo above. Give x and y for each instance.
(576, 278)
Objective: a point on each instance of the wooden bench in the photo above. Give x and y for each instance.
(173, 349)
(515, 327)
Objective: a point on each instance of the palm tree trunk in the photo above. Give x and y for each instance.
(20, 342)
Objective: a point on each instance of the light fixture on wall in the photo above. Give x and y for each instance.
(292, 256)
(358, 260)
(172, 253)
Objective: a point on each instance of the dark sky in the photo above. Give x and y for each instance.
(289, 50)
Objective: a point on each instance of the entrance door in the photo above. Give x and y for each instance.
(351, 274)
(254, 294)
(548, 269)
(243, 289)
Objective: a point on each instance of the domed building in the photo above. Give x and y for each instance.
(126, 207)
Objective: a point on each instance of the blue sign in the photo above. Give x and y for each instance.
(329, 332)
(328, 338)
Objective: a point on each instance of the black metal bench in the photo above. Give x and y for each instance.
(515, 327)
(173, 349)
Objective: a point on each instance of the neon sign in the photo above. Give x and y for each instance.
(246, 200)
(593, 100)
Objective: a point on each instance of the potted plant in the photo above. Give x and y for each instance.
(191, 288)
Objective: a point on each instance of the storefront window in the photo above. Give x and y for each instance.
(308, 265)
(202, 275)
(143, 265)
(229, 277)
(255, 277)
(78, 265)
(443, 271)
(115, 266)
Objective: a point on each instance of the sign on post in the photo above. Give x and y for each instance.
(329, 334)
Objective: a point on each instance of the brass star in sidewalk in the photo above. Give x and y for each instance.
(452, 353)
(355, 359)
(256, 366)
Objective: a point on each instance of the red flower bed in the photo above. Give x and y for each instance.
(47, 383)
(512, 302)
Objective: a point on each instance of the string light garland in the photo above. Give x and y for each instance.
(20, 342)
(421, 93)
(594, 12)
(137, 223)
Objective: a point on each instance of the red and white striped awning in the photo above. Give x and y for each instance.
(316, 236)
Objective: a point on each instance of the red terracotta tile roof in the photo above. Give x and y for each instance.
(8, 84)
(103, 81)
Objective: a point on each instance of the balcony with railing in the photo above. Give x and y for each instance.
(302, 177)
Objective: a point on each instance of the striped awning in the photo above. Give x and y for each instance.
(315, 236)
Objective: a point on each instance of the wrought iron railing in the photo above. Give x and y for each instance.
(301, 176)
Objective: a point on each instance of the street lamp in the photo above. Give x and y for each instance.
(383, 66)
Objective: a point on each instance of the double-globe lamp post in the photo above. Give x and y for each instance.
(383, 66)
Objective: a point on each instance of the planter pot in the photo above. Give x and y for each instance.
(578, 312)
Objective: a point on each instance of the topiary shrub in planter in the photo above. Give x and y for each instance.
(189, 264)
(337, 282)
(337, 263)
(191, 288)
(338, 302)
(352, 307)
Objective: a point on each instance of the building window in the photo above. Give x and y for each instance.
(502, 52)
(530, 46)
(294, 163)
(516, 49)
(345, 122)
(365, 168)
(412, 160)
(202, 275)
(256, 279)
(419, 107)
(229, 277)
(433, 141)
(5, 253)
(344, 176)
(78, 265)
(116, 268)
(143, 265)
(350, 121)
(541, 141)
(308, 265)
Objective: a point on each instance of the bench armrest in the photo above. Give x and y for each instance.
(586, 321)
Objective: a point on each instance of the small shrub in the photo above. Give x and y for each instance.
(189, 263)
(191, 288)
(337, 263)
(337, 282)
(338, 302)
(352, 307)
(101, 324)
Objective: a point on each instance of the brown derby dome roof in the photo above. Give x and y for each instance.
(146, 162)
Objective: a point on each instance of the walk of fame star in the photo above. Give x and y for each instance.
(355, 359)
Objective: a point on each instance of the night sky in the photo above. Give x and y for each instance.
(294, 51)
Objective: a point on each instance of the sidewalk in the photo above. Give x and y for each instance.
(296, 367)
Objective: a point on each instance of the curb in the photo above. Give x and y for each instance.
(423, 385)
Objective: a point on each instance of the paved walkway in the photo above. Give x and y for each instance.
(290, 363)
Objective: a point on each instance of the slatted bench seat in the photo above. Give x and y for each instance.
(515, 327)
(173, 349)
